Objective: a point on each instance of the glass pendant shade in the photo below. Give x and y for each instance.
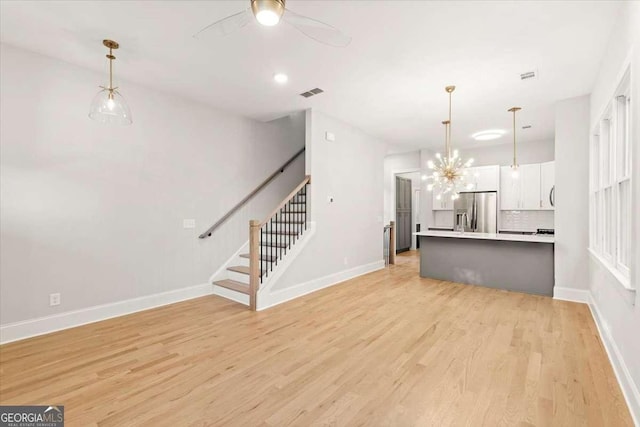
(109, 107)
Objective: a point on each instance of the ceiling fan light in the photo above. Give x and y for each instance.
(267, 12)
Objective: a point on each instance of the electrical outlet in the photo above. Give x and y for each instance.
(329, 136)
(54, 299)
(346, 261)
(189, 223)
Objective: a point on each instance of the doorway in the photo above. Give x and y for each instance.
(407, 202)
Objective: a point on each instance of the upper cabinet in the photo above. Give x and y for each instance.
(533, 189)
(484, 178)
(443, 204)
(548, 185)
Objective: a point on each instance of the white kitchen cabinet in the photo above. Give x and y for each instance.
(547, 185)
(484, 178)
(530, 186)
(523, 192)
(509, 190)
(444, 204)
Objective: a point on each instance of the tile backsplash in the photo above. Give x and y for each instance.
(525, 220)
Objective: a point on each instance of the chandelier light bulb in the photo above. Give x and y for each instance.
(515, 173)
(111, 104)
(430, 164)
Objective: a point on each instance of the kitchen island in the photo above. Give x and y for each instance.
(515, 262)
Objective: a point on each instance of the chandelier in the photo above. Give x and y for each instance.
(449, 176)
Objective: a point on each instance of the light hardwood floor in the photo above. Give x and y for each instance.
(387, 348)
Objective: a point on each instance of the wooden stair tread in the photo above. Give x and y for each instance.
(233, 285)
(267, 258)
(274, 244)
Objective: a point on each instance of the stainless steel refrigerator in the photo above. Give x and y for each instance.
(476, 212)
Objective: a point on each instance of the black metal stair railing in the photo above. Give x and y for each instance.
(281, 231)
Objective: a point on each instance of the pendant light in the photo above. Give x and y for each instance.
(108, 106)
(449, 175)
(515, 173)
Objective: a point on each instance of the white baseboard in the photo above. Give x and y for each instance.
(571, 294)
(44, 325)
(629, 388)
(283, 295)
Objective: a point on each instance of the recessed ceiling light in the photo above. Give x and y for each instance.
(487, 135)
(280, 78)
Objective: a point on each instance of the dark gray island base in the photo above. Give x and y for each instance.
(514, 263)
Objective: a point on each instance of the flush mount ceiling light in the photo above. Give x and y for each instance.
(108, 106)
(449, 173)
(514, 167)
(280, 78)
(487, 135)
(270, 13)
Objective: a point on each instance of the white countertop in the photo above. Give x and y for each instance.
(488, 236)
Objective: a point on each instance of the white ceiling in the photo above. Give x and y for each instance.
(389, 81)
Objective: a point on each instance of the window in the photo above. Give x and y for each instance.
(610, 184)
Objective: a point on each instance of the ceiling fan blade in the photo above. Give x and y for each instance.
(319, 31)
(226, 26)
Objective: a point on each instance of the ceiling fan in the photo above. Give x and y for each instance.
(269, 13)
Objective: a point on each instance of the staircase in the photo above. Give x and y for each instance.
(269, 242)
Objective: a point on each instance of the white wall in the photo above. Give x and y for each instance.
(426, 196)
(528, 152)
(349, 232)
(394, 164)
(572, 188)
(617, 309)
(95, 212)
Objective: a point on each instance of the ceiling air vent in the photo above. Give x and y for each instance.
(312, 92)
(528, 75)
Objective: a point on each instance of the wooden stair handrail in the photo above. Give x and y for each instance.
(305, 181)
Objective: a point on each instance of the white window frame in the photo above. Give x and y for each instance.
(610, 143)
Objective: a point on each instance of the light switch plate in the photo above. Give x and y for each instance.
(189, 223)
(330, 136)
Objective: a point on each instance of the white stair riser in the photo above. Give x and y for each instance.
(238, 277)
(231, 294)
(288, 227)
(242, 261)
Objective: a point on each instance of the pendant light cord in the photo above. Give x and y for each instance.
(449, 132)
(514, 139)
